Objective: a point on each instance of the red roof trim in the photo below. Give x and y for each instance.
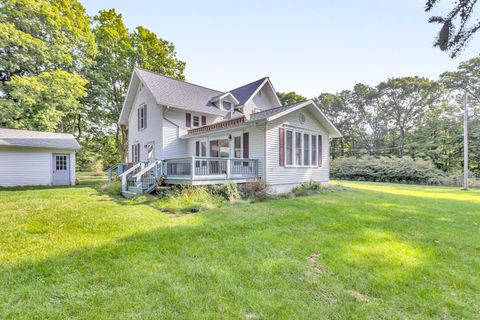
(218, 125)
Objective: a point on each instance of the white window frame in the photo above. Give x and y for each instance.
(142, 117)
(229, 108)
(193, 121)
(241, 146)
(302, 151)
(136, 152)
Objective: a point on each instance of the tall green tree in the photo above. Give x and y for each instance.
(465, 79)
(119, 51)
(44, 48)
(291, 97)
(405, 100)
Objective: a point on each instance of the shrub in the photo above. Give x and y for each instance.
(308, 188)
(384, 169)
(456, 180)
(97, 168)
(228, 190)
(113, 189)
(257, 190)
(188, 199)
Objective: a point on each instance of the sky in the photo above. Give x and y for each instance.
(309, 47)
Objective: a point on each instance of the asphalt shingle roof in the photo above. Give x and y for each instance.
(270, 112)
(243, 93)
(180, 94)
(37, 139)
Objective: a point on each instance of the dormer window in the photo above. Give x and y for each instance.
(196, 121)
(227, 105)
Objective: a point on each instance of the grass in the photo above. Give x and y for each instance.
(371, 251)
(189, 199)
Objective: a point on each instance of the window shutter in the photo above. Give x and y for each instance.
(197, 148)
(281, 156)
(132, 155)
(320, 145)
(188, 120)
(246, 144)
(204, 120)
(138, 152)
(138, 118)
(145, 117)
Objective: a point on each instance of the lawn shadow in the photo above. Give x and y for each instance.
(240, 259)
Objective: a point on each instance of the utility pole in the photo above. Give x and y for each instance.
(465, 144)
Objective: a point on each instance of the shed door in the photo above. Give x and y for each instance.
(61, 169)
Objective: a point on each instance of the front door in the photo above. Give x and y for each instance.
(61, 169)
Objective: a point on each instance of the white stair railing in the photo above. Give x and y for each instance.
(125, 174)
(138, 177)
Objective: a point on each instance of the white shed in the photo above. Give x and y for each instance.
(32, 158)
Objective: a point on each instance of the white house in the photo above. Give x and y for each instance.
(31, 158)
(194, 135)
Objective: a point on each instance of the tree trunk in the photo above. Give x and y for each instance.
(402, 142)
(121, 140)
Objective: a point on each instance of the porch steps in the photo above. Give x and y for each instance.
(129, 194)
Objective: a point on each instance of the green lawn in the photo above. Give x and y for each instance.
(371, 251)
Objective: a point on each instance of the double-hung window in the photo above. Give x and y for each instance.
(142, 117)
(196, 121)
(314, 150)
(306, 149)
(289, 147)
(298, 148)
(136, 152)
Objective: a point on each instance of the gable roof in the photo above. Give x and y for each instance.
(244, 93)
(273, 111)
(272, 114)
(180, 94)
(37, 139)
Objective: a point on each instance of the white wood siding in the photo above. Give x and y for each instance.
(174, 125)
(153, 131)
(20, 166)
(284, 178)
(263, 100)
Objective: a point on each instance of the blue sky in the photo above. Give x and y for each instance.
(305, 46)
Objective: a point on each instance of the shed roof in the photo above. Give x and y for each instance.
(37, 139)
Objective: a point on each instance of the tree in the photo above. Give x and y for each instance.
(290, 97)
(405, 100)
(44, 48)
(338, 109)
(108, 79)
(465, 79)
(155, 54)
(119, 51)
(456, 30)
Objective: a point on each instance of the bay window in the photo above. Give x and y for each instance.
(298, 148)
(306, 149)
(314, 150)
(289, 148)
(301, 148)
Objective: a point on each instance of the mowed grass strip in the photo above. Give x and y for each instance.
(372, 251)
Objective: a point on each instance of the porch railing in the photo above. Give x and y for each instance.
(142, 177)
(195, 168)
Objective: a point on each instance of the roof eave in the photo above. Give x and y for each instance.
(226, 129)
(332, 130)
